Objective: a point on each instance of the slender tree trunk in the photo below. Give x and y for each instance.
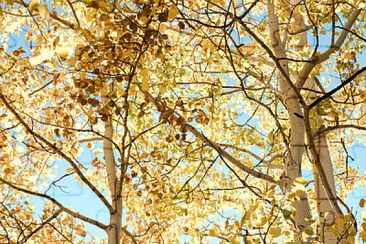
(327, 213)
(297, 140)
(115, 220)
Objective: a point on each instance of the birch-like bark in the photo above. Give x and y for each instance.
(326, 211)
(326, 200)
(297, 144)
(115, 220)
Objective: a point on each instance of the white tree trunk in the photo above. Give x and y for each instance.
(326, 211)
(297, 143)
(115, 220)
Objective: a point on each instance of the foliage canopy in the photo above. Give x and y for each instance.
(202, 117)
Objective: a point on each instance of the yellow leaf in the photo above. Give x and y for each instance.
(120, 91)
(275, 231)
(34, 4)
(218, 2)
(145, 84)
(234, 240)
(363, 215)
(261, 221)
(362, 203)
(145, 79)
(323, 32)
(144, 72)
(214, 231)
(81, 232)
(42, 56)
(90, 112)
(301, 180)
(89, 173)
(43, 11)
(56, 41)
(173, 11)
(63, 52)
(308, 230)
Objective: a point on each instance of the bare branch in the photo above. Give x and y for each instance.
(59, 152)
(330, 93)
(62, 207)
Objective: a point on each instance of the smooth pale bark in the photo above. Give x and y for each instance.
(115, 220)
(326, 211)
(297, 144)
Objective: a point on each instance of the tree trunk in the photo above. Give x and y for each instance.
(115, 220)
(327, 213)
(297, 140)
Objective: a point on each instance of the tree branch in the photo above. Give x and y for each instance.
(308, 67)
(59, 152)
(57, 213)
(330, 93)
(62, 207)
(182, 122)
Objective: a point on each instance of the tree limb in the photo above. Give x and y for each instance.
(330, 93)
(62, 207)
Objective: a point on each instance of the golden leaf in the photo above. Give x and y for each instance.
(63, 52)
(145, 84)
(173, 11)
(214, 231)
(362, 203)
(33, 5)
(43, 11)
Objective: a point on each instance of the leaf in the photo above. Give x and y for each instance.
(93, 102)
(362, 203)
(234, 240)
(33, 5)
(81, 232)
(275, 231)
(55, 42)
(363, 215)
(145, 84)
(173, 11)
(261, 221)
(10, 2)
(44, 54)
(89, 173)
(43, 11)
(63, 52)
(145, 79)
(218, 2)
(309, 230)
(214, 231)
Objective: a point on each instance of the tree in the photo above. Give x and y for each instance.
(202, 117)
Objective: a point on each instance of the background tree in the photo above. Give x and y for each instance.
(201, 116)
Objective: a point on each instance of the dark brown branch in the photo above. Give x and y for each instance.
(329, 94)
(352, 32)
